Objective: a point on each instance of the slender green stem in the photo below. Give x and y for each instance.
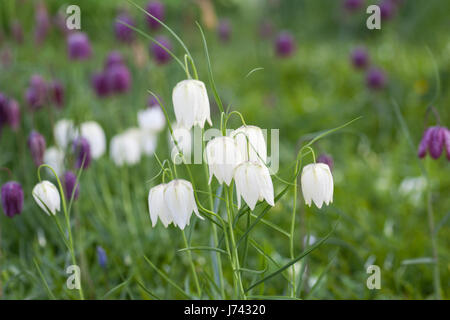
(191, 262)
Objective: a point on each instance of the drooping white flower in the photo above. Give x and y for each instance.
(95, 135)
(253, 183)
(148, 142)
(183, 137)
(251, 143)
(317, 184)
(125, 148)
(151, 119)
(223, 156)
(54, 157)
(64, 132)
(47, 197)
(191, 103)
(172, 202)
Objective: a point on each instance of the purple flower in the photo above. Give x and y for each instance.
(387, 9)
(118, 78)
(42, 23)
(160, 54)
(82, 151)
(328, 160)
(36, 93)
(12, 198)
(114, 58)
(353, 5)
(57, 93)
(360, 58)
(102, 258)
(375, 79)
(434, 140)
(284, 44)
(17, 31)
(266, 29)
(3, 109)
(100, 84)
(36, 144)
(13, 114)
(78, 46)
(224, 30)
(70, 179)
(123, 32)
(156, 9)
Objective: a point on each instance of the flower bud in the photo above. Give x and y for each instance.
(36, 144)
(12, 198)
(100, 84)
(160, 54)
(156, 9)
(13, 114)
(36, 93)
(78, 46)
(224, 30)
(70, 179)
(317, 184)
(82, 152)
(123, 32)
(119, 78)
(47, 197)
(102, 258)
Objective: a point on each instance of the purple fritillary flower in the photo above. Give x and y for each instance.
(123, 32)
(447, 143)
(36, 93)
(102, 258)
(436, 143)
(353, 5)
(423, 146)
(70, 179)
(360, 58)
(36, 144)
(82, 151)
(78, 46)
(387, 9)
(161, 55)
(13, 114)
(118, 78)
(100, 84)
(375, 79)
(224, 30)
(57, 94)
(12, 198)
(114, 58)
(17, 31)
(284, 44)
(328, 160)
(42, 23)
(156, 9)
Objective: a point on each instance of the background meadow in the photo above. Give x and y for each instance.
(381, 192)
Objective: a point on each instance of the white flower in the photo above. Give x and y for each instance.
(251, 143)
(64, 132)
(172, 202)
(317, 184)
(54, 157)
(148, 142)
(222, 156)
(253, 183)
(191, 103)
(151, 119)
(47, 197)
(125, 148)
(184, 139)
(95, 135)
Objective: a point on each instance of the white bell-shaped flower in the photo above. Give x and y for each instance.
(253, 183)
(251, 143)
(317, 184)
(222, 155)
(47, 197)
(64, 132)
(151, 119)
(183, 137)
(125, 148)
(157, 206)
(191, 103)
(54, 157)
(95, 135)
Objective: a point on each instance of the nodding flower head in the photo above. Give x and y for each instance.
(113, 58)
(9, 112)
(70, 180)
(47, 197)
(122, 31)
(100, 84)
(224, 30)
(160, 54)
(284, 44)
(78, 46)
(82, 152)
(57, 93)
(118, 78)
(328, 160)
(376, 79)
(434, 140)
(12, 198)
(360, 58)
(36, 93)
(317, 184)
(36, 144)
(156, 9)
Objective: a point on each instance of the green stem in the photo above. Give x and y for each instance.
(191, 262)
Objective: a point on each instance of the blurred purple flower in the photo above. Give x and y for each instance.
(78, 46)
(376, 79)
(70, 179)
(36, 93)
(3, 109)
(102, 258)
(156, 9)
(57, 93)
(114, 58)
(12, 198)
(13, 114)
(328, 160)
(100, 84)
(17, 31)
(360, 58)
(353, 5)
(434, 140)
(387, 9)
(123, 32)
(284, 44)
(82, 151)
(36, 144)
(42, 23)
(447, 143)
(224, 30)
(118, 78)
(161, 55)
